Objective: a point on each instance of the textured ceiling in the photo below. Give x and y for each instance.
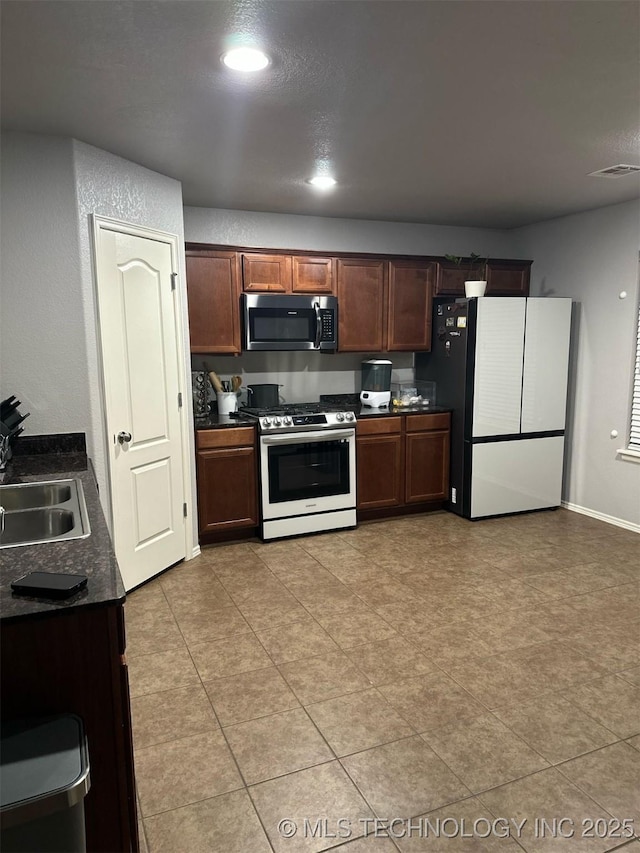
(469, 113)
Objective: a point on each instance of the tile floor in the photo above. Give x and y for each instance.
(413, 669)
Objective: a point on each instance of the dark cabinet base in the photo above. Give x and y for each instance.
(74, 662)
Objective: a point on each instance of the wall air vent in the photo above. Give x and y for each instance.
(618, 171)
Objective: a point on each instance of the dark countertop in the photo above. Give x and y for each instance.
(93, 556)
(216, 421)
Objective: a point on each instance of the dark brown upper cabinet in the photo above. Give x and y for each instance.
(312, 274)
(410, 300)
(361, 304)
(213, 300)
(504, 278)
(266, 273)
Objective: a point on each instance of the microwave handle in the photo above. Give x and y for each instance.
(305, 437)
(316, 306)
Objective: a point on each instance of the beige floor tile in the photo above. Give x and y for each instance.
(415, 616)
(555, 728)
(611, 777)
(463, 827)
(319, 793)
(174, 774)
(229, 656)
(451, 644)
(634, 742)
(225, 824)
(248, 695)
(512, 594)
(157, 632)
(390, 660)
(484, 753)
(632, 675)
(612, 702)
(535, 560)
(275, 745)
(201, 625)
(147, 599)
(161, 671)
(614, 647)
(370, 844)
(173, 714)
(142, 838)
(358, 721)
(296, 641)
(273, 610)
(323, 677)
(548, 795)
(403, 779)
(205, 589)
(356, 626)
(431, 701)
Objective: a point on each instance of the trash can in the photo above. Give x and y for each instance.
(44, 778)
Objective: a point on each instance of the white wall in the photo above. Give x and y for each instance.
(43, 349)
(110, 186)
(323, 234)
(592, 257)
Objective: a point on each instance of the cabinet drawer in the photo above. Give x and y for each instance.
(232, 437)
(378, 426)
(422, 423)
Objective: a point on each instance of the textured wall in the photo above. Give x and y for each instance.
(43, 351)
(322, 234)
(591, 257)
(110, 186)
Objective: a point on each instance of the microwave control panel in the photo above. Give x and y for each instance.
(327, 320)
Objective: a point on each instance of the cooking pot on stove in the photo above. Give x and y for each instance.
(264, 396)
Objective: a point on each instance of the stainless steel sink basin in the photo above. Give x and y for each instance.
(33, 513)
(36, 525)
(31, 495)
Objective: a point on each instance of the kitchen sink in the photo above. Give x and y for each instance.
(32, 495)
(34, 513)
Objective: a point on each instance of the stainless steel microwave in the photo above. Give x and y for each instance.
(290, 322)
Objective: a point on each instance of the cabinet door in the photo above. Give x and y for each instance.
(450, 279)
(410, 301)
(427, 466)
(213, 299)
(266, 273)
(380, 471)
(508, 278)
(312, 275)
(227, 493)
(361, 305)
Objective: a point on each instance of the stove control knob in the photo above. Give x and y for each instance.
(339, 416)
(287, 421)
(350, 416)
(266, 422)
(277, 422)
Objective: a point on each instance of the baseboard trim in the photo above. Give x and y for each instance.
(601, 516)
(196, 552)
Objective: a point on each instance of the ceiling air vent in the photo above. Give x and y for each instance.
(618, 171)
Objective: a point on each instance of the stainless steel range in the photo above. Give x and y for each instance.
(307, 469)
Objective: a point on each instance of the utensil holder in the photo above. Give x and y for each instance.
(227, 402)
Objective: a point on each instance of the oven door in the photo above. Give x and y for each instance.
(307, 472)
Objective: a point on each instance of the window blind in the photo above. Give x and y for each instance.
(634, 432)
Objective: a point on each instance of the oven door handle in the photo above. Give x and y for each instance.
(304, 437)
(316, 306)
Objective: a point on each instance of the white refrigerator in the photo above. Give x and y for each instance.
(501, 365)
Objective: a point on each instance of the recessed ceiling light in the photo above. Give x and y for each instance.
(245, 59)
(323, 182)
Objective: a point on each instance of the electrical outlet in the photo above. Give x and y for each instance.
(454, 495)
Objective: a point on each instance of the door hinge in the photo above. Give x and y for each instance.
(184, 510)
(180, 399)
(174, 279)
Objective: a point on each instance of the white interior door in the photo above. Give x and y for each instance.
(497, 391)
(141, 373)
(546, 364)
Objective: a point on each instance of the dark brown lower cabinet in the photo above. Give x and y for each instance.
(227, 480)
(402, 463)
(73, 662)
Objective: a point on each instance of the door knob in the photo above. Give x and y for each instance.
(124, 437)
